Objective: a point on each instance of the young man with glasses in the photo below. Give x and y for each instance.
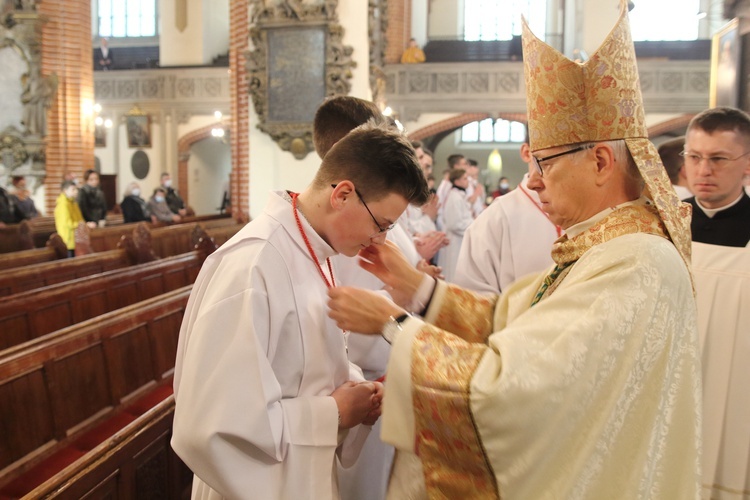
(717, 159)
(266, 397)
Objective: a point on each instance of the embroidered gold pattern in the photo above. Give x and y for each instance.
(627, 220)
(466, 314)
(599, 100)
(447, 441)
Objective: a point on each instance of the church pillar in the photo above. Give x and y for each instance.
(67, 52)
(240, 102)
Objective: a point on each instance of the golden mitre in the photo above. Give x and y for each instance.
(599, 100)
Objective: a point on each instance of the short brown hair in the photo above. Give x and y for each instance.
(336, 117)
(379, 160)
(669, 152)
(455, 174)
(723, 119)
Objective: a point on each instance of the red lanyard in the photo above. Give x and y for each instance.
(329, 284)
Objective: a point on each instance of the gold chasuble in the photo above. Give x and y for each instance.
(579, 383)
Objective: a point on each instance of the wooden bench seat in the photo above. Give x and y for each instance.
(68, 392)
(135, 458)
(55, 249)
(21, 279)
(29, 315)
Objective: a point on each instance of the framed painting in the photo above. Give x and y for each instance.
(726, 48)
(139, 130)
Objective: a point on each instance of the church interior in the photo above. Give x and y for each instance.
(217, 97)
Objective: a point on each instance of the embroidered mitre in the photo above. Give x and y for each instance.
(599, 100)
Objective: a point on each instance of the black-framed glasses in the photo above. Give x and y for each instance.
(715, 162)
(538, 161)
(381, 229)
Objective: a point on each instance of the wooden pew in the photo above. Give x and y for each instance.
(55, 249)
(29, 315)
(134, 249)
(16, 237)
(101, 239)
(136, 459)
(41, 229)
(68, 392)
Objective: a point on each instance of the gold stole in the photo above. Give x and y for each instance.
(446, 355)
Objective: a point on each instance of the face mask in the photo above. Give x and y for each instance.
(504, 185)
(159, 199)
(168, 183)
(136, 192)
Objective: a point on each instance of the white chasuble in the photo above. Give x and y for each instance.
(257, 361)
(722, 284)
(592, 393)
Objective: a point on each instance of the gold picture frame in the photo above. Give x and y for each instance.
(726, 48)
(138, 127)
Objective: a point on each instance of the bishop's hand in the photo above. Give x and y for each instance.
(361, 311)
(390, 266)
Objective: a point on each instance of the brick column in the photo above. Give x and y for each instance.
(67, 51)
(240, 102)
(399, 29)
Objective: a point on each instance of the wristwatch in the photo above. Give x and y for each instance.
(393, 327)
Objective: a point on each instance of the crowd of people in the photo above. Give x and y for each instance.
(545, 346)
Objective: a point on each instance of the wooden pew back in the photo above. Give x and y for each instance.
(55, 389)
(31, 277)
(35, 313)
(54, 250)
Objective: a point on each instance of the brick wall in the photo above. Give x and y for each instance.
(240, 102)
(399, 29)
(67, 52)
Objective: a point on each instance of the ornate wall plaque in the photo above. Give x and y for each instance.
(299, 59)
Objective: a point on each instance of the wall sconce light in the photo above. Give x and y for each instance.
(495, 162)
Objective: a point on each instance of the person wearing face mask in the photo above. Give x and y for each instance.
(503, 187)
(68, 215)
(158, 208)
(134, 208)
(174, 201)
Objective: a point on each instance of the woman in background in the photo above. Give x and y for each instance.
(134, 208)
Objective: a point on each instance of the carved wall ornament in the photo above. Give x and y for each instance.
(377, 28)
(26, 93)
(298, 60)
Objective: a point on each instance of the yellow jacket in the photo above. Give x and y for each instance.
(67, 217)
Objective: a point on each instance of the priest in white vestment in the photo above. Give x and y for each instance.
(582, 382)
(512, 238)
(457, 217)
(267, 401)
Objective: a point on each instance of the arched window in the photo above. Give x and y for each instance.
(665, 20)
(127, 18)
(488, 131)
(501, 19)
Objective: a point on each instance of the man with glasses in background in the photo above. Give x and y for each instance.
(717, 158)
